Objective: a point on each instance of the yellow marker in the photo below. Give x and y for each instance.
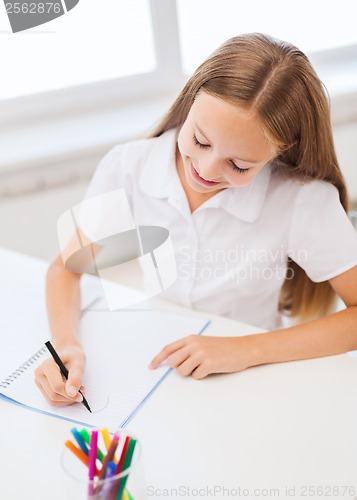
(106, 437)
(125, 495)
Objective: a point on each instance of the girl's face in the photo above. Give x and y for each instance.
(221, 145)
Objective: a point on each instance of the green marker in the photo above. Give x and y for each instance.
(86, 437)
(126, 465)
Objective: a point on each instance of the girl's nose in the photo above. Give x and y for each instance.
(209, 169)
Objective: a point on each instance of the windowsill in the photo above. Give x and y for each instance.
(67, 150)
(34, 145)
(77, 138)
(340, 79)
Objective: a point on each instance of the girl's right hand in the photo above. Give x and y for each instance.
(52, 384)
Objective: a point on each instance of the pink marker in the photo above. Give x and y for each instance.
(93, 454)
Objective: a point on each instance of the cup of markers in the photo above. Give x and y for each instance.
(103, 467)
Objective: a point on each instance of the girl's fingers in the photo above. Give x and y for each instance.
(49, 379)
(53, 398)
(200, 372)
(74, 381)
(166, 352)
(178, 357)
(49, 374)
(188, 366)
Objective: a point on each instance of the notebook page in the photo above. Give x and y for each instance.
(119, 346)
(23, 325)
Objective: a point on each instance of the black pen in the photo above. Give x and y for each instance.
(64, 370)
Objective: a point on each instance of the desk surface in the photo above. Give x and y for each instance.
(255, 433)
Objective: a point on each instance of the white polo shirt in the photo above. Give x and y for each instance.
(231, 252)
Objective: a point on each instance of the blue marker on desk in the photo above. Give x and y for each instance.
(107, 485)
(111, 468)
(79, 438)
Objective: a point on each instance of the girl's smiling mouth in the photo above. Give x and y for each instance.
(200, 180)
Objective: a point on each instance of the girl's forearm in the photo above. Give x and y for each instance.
(333, 334)
(63, 305)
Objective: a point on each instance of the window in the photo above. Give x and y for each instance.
(120, 52)
(95, 41)
(111, 53)
(312, 25)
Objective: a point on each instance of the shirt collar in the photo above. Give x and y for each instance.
(159, 179)
(158, 175)
(246, 202)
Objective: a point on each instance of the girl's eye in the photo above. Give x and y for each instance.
(233, 165)
(198, 143)
(238, 169)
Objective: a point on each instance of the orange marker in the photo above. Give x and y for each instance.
(79, 453)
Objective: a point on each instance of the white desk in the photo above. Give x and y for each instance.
(289, 425)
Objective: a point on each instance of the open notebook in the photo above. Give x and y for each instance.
(119, 346)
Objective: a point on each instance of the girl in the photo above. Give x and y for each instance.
(243, 173)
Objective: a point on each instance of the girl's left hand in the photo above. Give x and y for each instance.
(199, 356)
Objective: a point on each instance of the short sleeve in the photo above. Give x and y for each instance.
(322, 238)
(107, 175)
(105, 209)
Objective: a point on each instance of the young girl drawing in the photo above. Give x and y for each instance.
(242, 171)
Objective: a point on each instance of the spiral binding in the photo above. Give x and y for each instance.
(19, 371)
(90, 306)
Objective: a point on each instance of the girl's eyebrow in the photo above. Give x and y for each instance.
(235, 157)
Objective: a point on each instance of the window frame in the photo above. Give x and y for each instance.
(128, 91)
(115, 92)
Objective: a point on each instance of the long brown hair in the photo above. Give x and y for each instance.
(277, 81)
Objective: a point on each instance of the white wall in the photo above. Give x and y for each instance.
(28, 223)
(345, 136)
